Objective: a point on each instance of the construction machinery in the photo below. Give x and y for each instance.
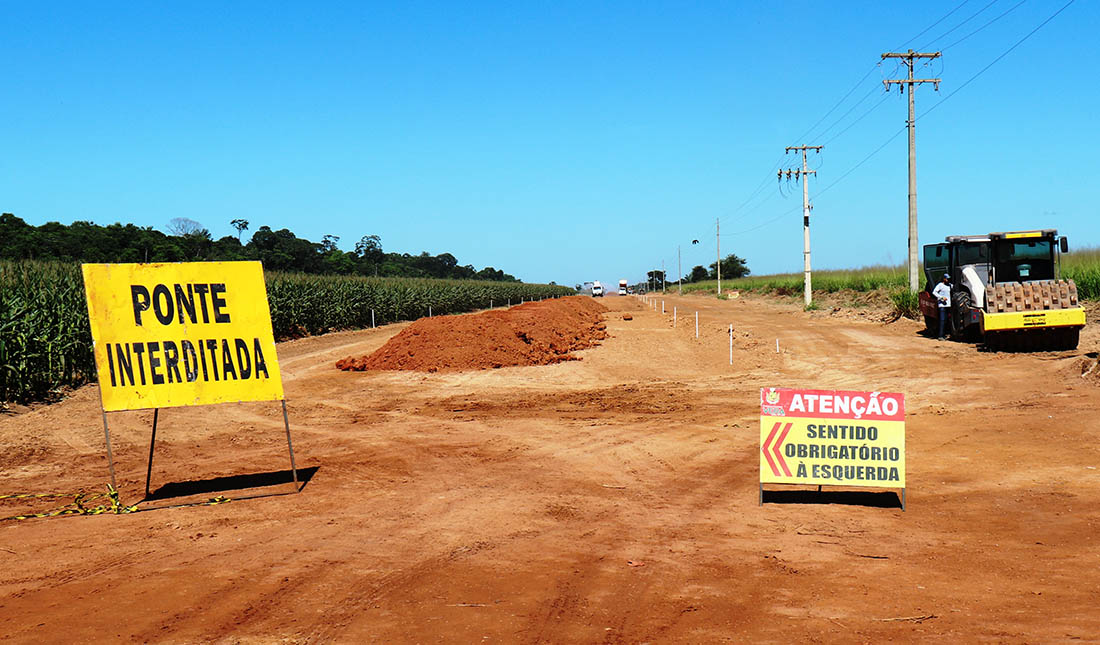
(1006, 290)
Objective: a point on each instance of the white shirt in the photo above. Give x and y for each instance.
(942, 294)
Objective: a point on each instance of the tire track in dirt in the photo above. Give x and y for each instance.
(507, 503)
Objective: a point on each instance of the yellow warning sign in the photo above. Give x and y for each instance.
(173, 334)
(832, 437)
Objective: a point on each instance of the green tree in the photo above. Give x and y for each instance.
(241, 225)
(283, 251)
(278, 250)
(655, 279)
(698, 273)
(732, 267)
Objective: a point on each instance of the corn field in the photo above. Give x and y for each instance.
(46, 343)
(304, 305)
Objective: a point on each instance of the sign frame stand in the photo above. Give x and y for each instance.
(110, 457)
(152, 444)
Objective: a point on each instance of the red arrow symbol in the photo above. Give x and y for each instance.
(764, 448)
(775, 448)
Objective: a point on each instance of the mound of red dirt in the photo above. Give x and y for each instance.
(535, 333)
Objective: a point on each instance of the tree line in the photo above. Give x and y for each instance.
(188, 241)
(732, 267)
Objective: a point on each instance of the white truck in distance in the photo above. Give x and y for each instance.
(597, 289)
(623, 287)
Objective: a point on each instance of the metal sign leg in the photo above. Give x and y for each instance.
(293, 468)
(110, 457)
(152, 440)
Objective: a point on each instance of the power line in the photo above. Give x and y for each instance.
(1010, 10)
(731, 217)
(931, 26)
(941, 101)
(756, 192)
(835, 106)
(874, 107)
(869, 72)
(767, 222)
(997, 59)
(948, 32)
(845, 115)
(863, 161)
(738, 210)
(901, 130)
(760, 187)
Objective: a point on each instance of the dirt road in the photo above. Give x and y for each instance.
(607, 500)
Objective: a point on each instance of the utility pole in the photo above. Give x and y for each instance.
(718, 244)
(679, 273)
(804, 175)
(909, 59)
(662, 276)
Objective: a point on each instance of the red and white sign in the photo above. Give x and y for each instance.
(835, 437)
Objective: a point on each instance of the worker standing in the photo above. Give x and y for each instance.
(942, 294)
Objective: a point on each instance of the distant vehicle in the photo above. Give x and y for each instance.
(597, 289)
(623, 288)
(1005, 290)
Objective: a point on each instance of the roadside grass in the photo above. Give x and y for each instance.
(830, 281)
(1082, 266)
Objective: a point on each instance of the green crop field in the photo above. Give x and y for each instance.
(45, 341)
(865, 279)
(46, 344)
(1081, 266)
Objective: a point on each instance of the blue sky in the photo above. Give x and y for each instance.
(564, 141)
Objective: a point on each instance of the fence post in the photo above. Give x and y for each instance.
(372, 319)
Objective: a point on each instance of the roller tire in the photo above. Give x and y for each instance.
(960, 304)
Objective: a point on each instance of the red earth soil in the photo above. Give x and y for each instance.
(535, 333)
(519, 505)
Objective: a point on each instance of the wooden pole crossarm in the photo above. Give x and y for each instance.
(911, 54)
(916, 81)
